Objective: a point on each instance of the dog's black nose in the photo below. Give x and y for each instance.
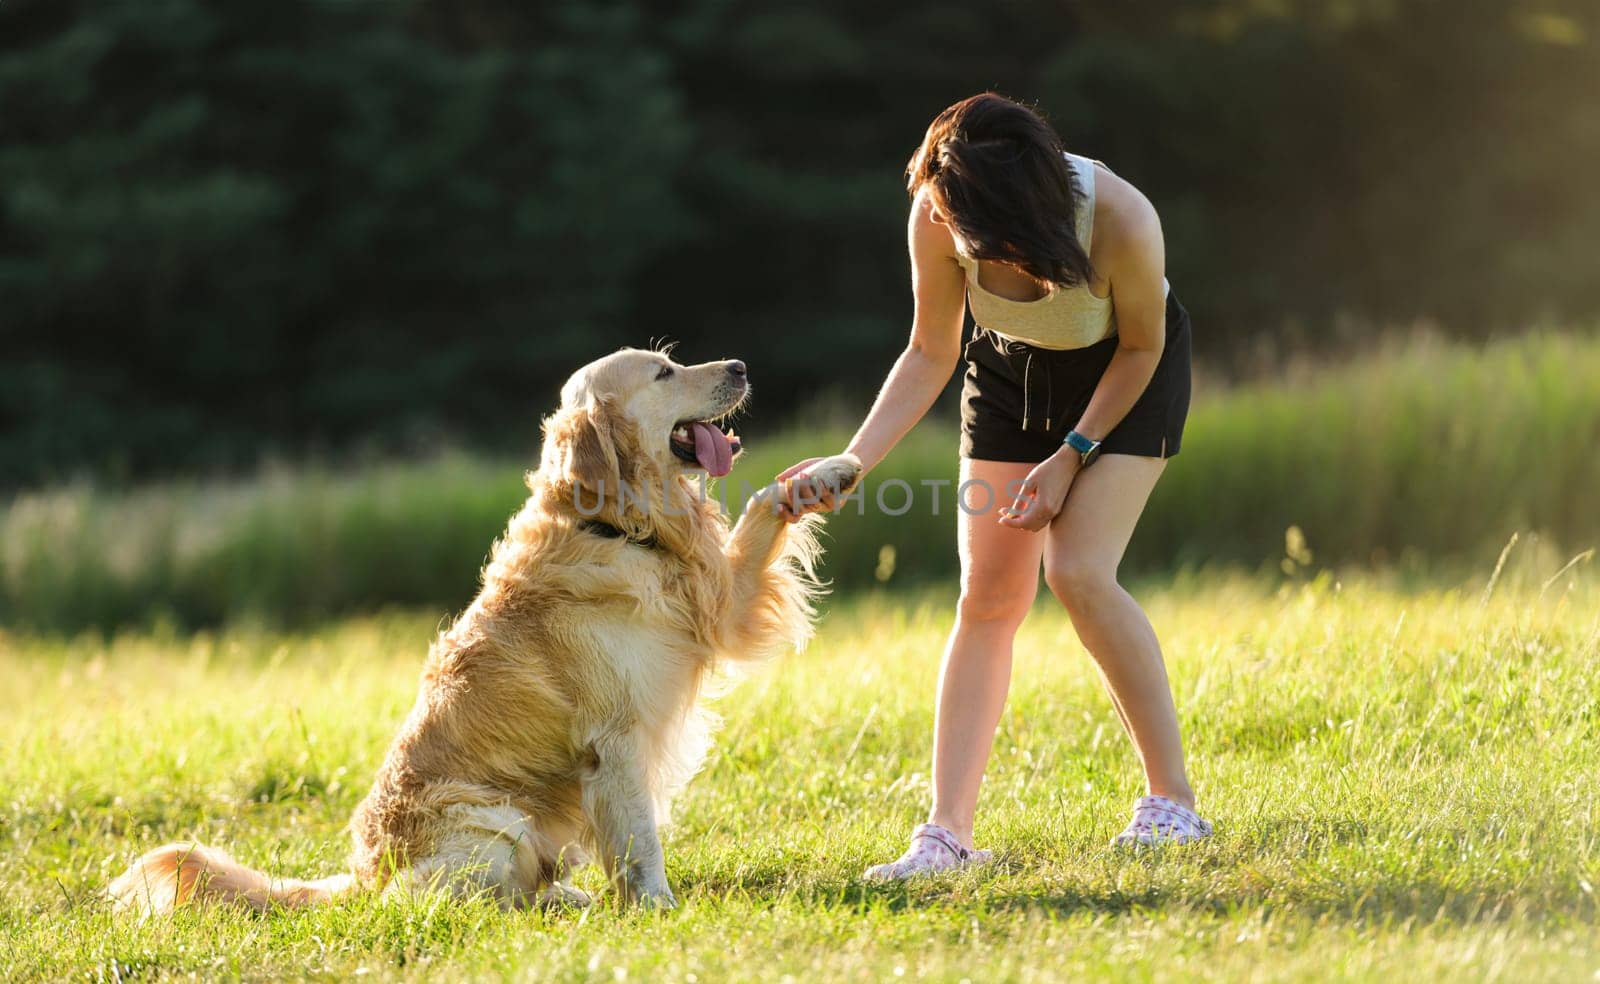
(736, 368)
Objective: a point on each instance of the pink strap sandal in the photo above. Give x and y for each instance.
(933, 850)
(1158, 820)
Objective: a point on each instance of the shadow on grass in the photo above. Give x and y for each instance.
(1422, 900)
(1280, 865)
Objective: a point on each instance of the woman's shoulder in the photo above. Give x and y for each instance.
(1123, 216)
(929, 233)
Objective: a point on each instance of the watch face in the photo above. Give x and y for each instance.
(1090, 455)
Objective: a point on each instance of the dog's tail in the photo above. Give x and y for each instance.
(174, 874)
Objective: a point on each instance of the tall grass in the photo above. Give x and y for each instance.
(1430, 450)
(1419, 456)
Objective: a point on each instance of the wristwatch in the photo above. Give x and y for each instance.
(1087, 450)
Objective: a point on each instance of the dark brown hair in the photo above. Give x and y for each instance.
(999, 174)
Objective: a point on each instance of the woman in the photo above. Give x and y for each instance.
(1076, 390)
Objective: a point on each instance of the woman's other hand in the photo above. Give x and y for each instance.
(1041, 495)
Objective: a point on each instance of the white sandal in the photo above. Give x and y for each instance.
(933, 850)
(1158, 820)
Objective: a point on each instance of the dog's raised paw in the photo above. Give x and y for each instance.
(838, 473)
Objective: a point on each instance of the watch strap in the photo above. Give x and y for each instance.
(1087, 448)
(1079, 443)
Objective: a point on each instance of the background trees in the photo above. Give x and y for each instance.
(228, 228)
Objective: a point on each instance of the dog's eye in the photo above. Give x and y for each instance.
(665, 373)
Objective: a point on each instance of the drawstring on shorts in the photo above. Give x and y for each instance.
(1010, 347)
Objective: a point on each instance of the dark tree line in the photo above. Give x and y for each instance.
(230, 228)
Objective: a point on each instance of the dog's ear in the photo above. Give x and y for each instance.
(592, 456)
(581, 447)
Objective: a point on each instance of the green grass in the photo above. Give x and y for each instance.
(1423, 457)
(1403, 783)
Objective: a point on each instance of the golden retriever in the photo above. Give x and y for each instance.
(561, 712)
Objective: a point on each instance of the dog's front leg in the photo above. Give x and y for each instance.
(765, 596)
(617, 800)
(759, 536)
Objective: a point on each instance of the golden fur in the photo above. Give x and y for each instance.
(560, 713)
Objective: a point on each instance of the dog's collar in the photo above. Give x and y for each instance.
(602, 528)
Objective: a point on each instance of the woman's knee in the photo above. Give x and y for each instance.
(1078, 583)
(996, 603)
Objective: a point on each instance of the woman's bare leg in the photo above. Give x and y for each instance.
(1085, 543)
(999, 578)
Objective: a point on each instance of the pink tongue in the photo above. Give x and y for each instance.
(712, 449)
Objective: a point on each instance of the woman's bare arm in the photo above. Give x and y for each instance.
(1134, 261)
(938, 285)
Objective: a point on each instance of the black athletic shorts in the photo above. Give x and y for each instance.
(1018, 400)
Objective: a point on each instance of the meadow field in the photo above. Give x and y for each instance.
(1421, 459)
(1403, 783)
(1383, 631)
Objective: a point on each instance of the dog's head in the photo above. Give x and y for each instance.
(635, 415)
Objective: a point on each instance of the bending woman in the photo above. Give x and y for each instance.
(1076, 390)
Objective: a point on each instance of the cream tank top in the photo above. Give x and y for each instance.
(1065, 317)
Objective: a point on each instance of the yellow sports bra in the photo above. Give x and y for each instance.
(1065, 317)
